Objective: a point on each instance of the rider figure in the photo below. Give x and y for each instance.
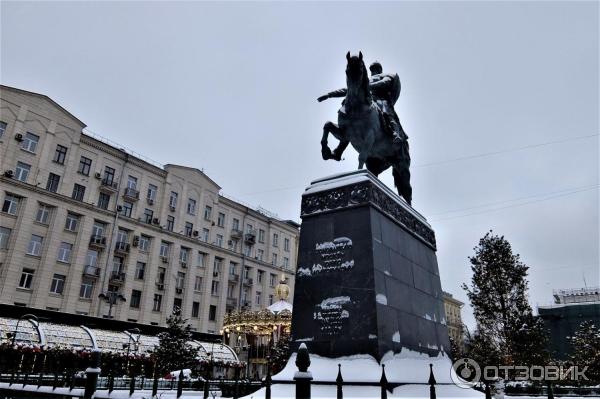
(385, 89)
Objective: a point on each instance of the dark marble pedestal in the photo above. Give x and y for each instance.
(367, 279)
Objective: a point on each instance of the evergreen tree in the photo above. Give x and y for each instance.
(280, 354)
(498, 295)
(586, 350)
(174, 351)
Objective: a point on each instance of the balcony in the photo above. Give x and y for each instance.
(91, 271)
(117, 278)
(160, 285)
(183, 264)
(231, 303)
(131, 194)
(122, 248)
(248, 281)
(236, 234)
(179, 290)
(250, 237)
(108, 186)
(246, 304)
(98, 242)
(234, 278)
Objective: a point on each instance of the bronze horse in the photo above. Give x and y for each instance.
(361, 123)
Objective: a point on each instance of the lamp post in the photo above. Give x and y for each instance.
(111, 298)
(136, 343)
(27, 316)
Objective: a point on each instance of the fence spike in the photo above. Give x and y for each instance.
(431, 383)
(180, 384)
(268, 382)
(383, 382)
(340, 382)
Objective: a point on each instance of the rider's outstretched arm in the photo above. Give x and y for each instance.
(331, 94)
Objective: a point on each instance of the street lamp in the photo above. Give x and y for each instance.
(27, 316)
(136, 343)
(111, 298)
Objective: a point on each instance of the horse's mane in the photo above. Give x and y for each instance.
(365, 83)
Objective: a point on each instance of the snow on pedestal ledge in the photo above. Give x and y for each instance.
(404, 367)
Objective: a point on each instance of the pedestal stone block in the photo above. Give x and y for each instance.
(367, 279)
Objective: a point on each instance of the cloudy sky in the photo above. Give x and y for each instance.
(500, 101)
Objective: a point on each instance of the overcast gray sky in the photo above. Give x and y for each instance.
(232, 88)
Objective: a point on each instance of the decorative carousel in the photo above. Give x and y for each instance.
(259, 337)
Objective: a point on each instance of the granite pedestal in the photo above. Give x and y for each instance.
(367, 279)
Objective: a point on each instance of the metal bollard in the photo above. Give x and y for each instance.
(92, 373)
(383, 382)
(339, 382)
(431, 382)
(303, 377)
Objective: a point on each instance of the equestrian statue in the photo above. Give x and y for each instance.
(368, 121)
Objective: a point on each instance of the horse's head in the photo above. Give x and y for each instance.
(357, 77)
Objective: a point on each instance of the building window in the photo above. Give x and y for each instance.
(35, 245)
(221, 220)
(85, 164)
(148, 215)
(103, 200)
(261, 236)
(152, 190)
(232, 267)
(217, 265)
(157, 303)
(191, 206)
(132, 182)
(173, 200)
(189, 229)
(184, 254)
(122, 236)
(177, 304)
(180, 280)
(214, 289)
(235, 225)
(98, 229)
(195, 309)
(58, 284)
(91, 259)
(4, 237)
(26, 278)
(11, 204)
(170, 223)
(86, 289)
(30, 142)
(78, 192)
(144, 243)
(259, 276)
(202, 259)
(275, 239)
(164, 249)
(52, 183)
(136, 299)
(22, 171)
(140, 268)
(258, 298)
(2, 128)
(274, 261)
(270, 299)
(206, 235)
(260, 254)
(43, 214)
(64, 252)
(198, 284)
(126, 209)
(60, 154)
(207, 212)
(109, 175)
(247, 250)
(272, 279)
(286, 244)
(117, 264)
(286, 262)
(161, 275)
(219, 240)
(212, 313)
(72, 222)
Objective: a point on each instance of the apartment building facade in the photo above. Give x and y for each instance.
(452, 307)
(88, 228)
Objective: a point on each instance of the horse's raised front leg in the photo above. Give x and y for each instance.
(326, 152)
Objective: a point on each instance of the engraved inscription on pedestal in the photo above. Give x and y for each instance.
(331, 315)
(333, 256)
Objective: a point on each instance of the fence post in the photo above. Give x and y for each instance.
(303, 377)
(131, 384)
(111, 381)
(431, 382)
(92, 373)
(206, 382)
(383, 382)
(155, 385)
(550, 391)
(72, 382)
(339, 381)
(236, 384)
(55, 383)
(268, 382)
(488, 393)
(180, 383)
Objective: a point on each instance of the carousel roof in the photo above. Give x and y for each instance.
(81, 337)
(279, 306)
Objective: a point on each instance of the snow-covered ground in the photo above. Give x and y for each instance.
(404, 367)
